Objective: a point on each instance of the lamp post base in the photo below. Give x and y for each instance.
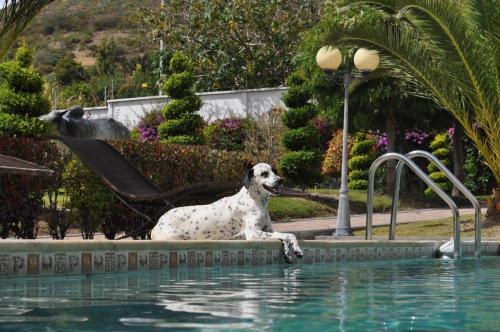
(343, 227)
(343, 232)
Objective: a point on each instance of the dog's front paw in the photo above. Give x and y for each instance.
(288, 258)
(298, 253)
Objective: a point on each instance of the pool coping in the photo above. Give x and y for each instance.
(19, 258)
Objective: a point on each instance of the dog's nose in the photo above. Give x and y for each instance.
(280, 181)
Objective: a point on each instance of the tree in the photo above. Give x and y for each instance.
(181, 125)
(236, 44)
(68, 71)
(21, 96)
(14, 18)
(448, 48)
(302, 163)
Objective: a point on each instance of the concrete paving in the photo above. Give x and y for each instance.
(310, 228)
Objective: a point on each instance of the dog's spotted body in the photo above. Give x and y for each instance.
(241, 216)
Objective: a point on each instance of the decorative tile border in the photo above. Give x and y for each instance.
(47, 258)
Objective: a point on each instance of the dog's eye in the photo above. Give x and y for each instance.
(264, 174)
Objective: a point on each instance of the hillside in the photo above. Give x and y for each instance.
(79, 26)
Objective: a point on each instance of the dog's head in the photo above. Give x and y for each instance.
(264, 178)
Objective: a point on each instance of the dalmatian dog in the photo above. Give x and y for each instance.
(241, 216)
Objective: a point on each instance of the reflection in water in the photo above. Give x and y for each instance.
(419, 294)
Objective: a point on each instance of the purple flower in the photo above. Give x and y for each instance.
(381, 144)
(231, 123)
(416, 136)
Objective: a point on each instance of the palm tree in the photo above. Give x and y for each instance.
(448, 47)
(15, 15)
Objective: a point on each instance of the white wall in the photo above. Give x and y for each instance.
(215, 105)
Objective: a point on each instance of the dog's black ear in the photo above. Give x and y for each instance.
(248, 177)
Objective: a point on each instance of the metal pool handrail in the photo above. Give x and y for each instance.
(427, 180)
(458, 184)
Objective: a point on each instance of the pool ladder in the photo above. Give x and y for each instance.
(407, 160)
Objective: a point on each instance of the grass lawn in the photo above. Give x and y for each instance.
(436, 228)
(382, 203)
(283, 209)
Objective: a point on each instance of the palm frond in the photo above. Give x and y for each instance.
(448, 46)
(15, 15)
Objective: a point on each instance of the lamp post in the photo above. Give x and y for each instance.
(329, 60)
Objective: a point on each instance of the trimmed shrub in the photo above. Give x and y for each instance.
(363, 155)
(358, 184)
(360, 162)
(365, 147)
(178, 85)
(441, 147)
(303, 161)
(177, 107)
(358, 175)
(177, 127)
(297, 96)
(21, 94)
(296, 117)
(180, 120)
(301, 138)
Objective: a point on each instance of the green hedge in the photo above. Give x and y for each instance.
(178, 85)
(297, 96)
(302, 164)
(180, 121)
(296, 117)
(441, 147)
(363, 155)
(301, 138)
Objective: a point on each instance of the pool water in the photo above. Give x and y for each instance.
(404, 295)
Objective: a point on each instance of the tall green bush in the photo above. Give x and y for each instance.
(21, 96)
(441, 148)
(88, 198)
(182, 125)
(21, 196)
(363, 155)
(302, 163)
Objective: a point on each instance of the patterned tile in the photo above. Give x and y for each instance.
(209, 259)
(47, 263)
(98, 262)
(86, 259)
(132, 261)
(233, 258)
(241, 258)
(255, 257)
(225, 258)
(317, 256)
(143, 259)
(121, 262)
(154, 260)
(217, 258)
(5, 265)
(18, 265)
(163, 260)
(182, 258)
(110, 262)
(73, 263)
(33, 264)
(173, 259)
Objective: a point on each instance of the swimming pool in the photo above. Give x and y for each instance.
(421, 294)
